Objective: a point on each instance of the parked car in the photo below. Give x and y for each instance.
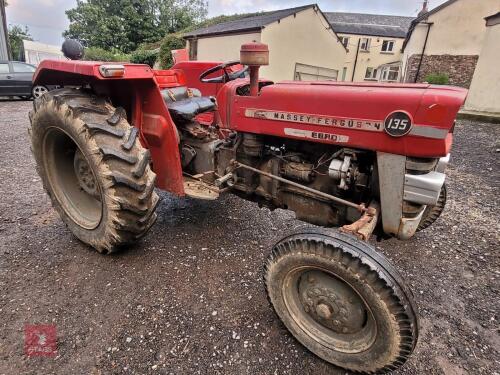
(16, 80)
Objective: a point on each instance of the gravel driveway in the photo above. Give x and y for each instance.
(189, 298)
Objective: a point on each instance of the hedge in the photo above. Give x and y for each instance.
(437, 79)
(147, 57)
(169, 43)
(99, 54)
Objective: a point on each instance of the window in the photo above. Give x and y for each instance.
(305, 72)
(344, 40)
(390, 73)
(364, 44)
(388, 46)
(4, 68)
(22, 68)
(344, 73)
(371, 74)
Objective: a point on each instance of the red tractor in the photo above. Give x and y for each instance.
(364, 158)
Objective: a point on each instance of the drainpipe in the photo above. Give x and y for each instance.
(355, 60)
(429, 24)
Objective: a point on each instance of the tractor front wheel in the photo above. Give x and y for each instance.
(342, 301)
(93, 168)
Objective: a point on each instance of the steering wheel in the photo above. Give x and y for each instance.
(226, 76)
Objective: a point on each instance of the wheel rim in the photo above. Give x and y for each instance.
(72, 179)
(38, 91)
(329, 310)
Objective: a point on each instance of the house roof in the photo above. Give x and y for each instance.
(246, 24)
(369, 24)
(432, 11)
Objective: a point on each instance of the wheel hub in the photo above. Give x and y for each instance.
(331, 303)
(85, 175)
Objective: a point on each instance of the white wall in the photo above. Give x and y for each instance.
(484, 93)
(223, 48)
(301, 39)
(457, 29)
(374, 58)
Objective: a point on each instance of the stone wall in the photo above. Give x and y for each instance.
(459, 68)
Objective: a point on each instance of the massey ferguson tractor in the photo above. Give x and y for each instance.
(365, 158)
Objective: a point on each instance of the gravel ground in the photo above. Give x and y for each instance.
(189, 298)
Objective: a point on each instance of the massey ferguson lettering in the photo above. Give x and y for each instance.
(303, 118)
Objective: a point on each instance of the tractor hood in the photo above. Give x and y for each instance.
(405, 119)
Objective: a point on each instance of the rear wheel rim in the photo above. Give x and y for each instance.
(329, 310)
(38, 91)
(72, 179)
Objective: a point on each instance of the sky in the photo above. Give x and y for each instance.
(46, 18)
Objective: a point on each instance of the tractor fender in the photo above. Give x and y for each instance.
(136, 91)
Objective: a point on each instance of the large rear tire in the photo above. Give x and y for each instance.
(95, 171)
(342, 301)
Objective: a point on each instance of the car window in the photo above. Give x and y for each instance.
(4, 68)
(23, 68)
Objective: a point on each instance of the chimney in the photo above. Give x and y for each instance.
(424, 9)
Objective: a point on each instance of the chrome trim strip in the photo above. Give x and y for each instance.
(428, 132)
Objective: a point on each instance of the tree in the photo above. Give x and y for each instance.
(16, 36)
(125, 24)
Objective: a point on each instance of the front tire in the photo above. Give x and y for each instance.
(93, 168)
(342, 301)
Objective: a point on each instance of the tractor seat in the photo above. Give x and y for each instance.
(185, 104)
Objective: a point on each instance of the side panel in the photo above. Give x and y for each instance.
(348, 115)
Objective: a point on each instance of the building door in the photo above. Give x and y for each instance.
(304, 72)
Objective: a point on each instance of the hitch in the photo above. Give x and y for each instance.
(365, 225)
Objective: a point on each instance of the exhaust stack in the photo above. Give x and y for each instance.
(254, 55)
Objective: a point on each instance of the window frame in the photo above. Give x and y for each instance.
(372, 76)
(8, 67)
(367, 46)
(345, 41)
(388, 42)
(387, 70)
(18, 63)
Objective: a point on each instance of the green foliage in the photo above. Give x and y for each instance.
(126, 24)
(16, 36)
(170, 42)
(99, 54)
(148, 57)
(437, 79)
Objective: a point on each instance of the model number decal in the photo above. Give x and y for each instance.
(303, 118)
(337, 138)
(398, 124)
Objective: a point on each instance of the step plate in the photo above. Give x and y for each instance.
(199, 189)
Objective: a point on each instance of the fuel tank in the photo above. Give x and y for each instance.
(405, 119)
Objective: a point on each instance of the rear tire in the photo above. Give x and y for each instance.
(342, 300)
(93, 168)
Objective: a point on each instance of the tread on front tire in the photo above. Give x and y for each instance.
(342, 301)
(93, 167)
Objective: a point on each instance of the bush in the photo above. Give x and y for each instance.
(147, 57)
(437, 79)
(99, 54)
(169, 43)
